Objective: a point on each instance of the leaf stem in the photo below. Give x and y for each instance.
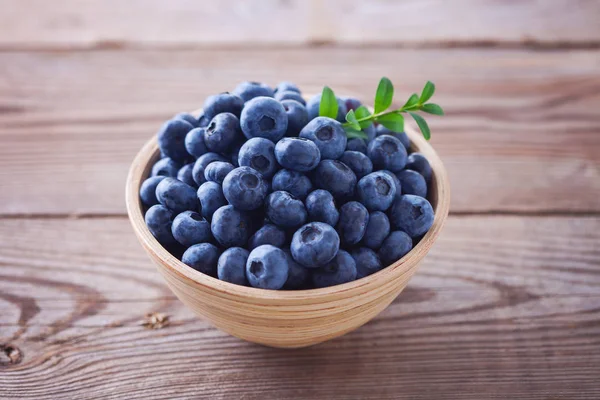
(372, 117)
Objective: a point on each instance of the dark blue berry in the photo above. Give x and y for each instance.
(159, 220)
(387, 152)
(285, 210)
(222, 132)
(297, 116)
(267, 267)
(190, 228)
(296, 183)
(210, 195)
(201, 163)
(165, 167)
(341, 269)
(290, 95)
(297, 154)
(222, 103)
(203, 120)
(249, 90)
(358, 162)
(315, 244)
(396, 245)
(357, 144)
(245, 188)
(202, 257)
(287, 86)
(216, 171)
(321, 207)
(378, 229)
(328, 135)
(264, 117)
(370, 132)
(187, 117)
(313, 104)
(402, 136)
(412, 182)
(367, 262)
(298, 276)
(185, 175)
(336, 177)
(411, 214)
(351, 103)
(194, 142)
(171, 139)
(148, 190)
(397, 184)
(376, 191)
(418, 162)
(231, 266)
(176, 195)
(230, 227)
(352, 224)
(267, 234)
(259, 154)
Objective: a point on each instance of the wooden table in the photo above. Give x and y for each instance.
(507, 305)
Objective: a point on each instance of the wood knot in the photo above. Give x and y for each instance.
(155, 321)
(10, 355)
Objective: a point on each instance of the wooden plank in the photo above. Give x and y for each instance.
(503, 307)
(97, 23)
(521, 134)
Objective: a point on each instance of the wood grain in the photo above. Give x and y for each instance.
(503, 307)
(522, 132)
(181, 23)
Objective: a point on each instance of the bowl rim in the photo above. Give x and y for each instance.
(138, 173)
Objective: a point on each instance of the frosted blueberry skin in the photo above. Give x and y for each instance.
(148, 190)
(358, 162)
(298, 276)
(249, 90)
(264, 117)
(231, 266)
(222, 103)
(320, 206)
(290, 95)
(222, 133)
(201, 163)
(216, 171)
(194, 142)
(297, 116)
(165, 167)
(376, 191)
(293, 182)
(418, 162)
(202, 257)
(351, 103)
(259, 154)
(267, 267)
(367, 262)
(211, 198)
(159, 220)
(329, 136)
(412, 183)
(342, 269)
(187, 117)
(191, 228)
(335, 177)
(245, 188)
(267, 234)
(402, 136)
(176, 195)
(378, 229)
(314, 103)
(352, 224)
(397, 183)
(230, 227)
(394, 247)
(387, 152)
(287, 86)
(297, 154)
(411, 214)
(185, 175)
(171, 139)
(357, 144)
(315, 244)
(285, 210)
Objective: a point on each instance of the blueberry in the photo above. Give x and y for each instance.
(402, 136)
(203, 120)
(190, 228)
(259, 154)
(352, 224)
(397, 184)
(312, 106)
(159, 219)
(378, 229)
(171, 139)
(336, 177)
(194, 142)
(418, 162)
(245, 188)
(267, 234)
(367, 262)
(230, 227)
(412, 182)
(296, 183)
(148, 190)
(185, 175)
(396, 245)
(357, 144)
(216, 171)
(187, 117)
(411, 214)
(297, 116)
(202, 257)
(328, 135)
(298, 276)
(376, 191)
(341, 269)
(165, 167)
(264, 117)
(249, 90)
(290, 95)
(176, 195)
(358, 162)
(284, 210)
(387, 152)
(222, 103)
(287, 86)
(210, 195)
(235, 153)
(231, 266)
(351, 103)
(315, 244)
(370, 132)
(321, 207)
(297, 154)
(267, 267)
(201, 163)
(222, 132)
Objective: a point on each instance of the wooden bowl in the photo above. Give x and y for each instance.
(286, 318)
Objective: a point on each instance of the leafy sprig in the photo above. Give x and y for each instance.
(361, 118)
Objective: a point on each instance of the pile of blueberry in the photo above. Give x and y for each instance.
(261, 191)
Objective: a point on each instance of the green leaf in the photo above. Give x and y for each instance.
(384, 95)
(352, 133)
(363, 112)
(351, 118)
(413, 100)
(432, 108)
(427, 92)
(394, 122)
(422, 125)
(328, 106)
